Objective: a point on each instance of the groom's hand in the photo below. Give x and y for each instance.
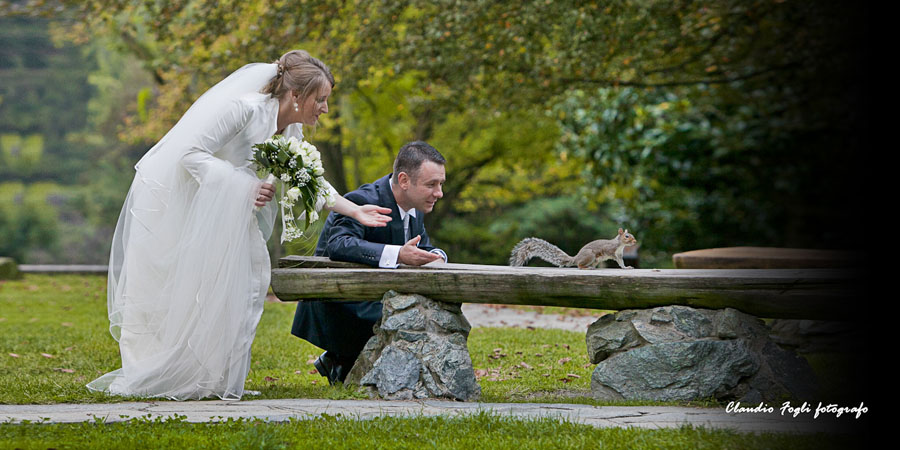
(412, 255)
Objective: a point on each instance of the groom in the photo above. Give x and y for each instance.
(343, 328)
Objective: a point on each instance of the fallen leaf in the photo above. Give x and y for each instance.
(67, 324)
(33, 320)
(313, 372)
(313, 382)
(572, 375)
(47, 355)
(524, 365)
(60, 369)
(563, 361)
(270, 379)
(480, 373)
(69, 349)
(538, 354)
(2, 319)
(14, 355)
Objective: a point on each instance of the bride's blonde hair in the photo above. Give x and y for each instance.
(298, 71)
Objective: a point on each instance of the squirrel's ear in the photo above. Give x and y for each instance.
(620, 231)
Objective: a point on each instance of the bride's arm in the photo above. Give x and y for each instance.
(368, 215)
(209, 135)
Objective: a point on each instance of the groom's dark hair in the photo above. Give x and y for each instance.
(412, 155)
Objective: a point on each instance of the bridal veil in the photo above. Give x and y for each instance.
(189, 269)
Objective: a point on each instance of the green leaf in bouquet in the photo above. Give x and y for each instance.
(282, 157)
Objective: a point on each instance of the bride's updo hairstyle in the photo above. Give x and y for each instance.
(298, 71)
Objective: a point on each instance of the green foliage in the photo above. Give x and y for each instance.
(46, 223)
(64, 108)
(21, 154)
(723, 117)
(27, 219)
(380, 117)
(44, 96)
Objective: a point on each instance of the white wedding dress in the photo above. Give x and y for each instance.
(189, 269)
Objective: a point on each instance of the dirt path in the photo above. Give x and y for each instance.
(480, 315)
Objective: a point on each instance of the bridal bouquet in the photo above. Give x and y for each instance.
(299, 166)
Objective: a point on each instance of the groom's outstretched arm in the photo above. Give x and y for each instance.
(348, 240)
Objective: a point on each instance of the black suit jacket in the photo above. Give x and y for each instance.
(345, 239)
(344, 327)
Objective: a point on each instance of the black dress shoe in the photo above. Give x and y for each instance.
(329, 368)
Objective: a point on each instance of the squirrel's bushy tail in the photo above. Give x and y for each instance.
(538, 248)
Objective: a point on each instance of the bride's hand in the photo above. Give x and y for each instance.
(265, 194)
(372, 215)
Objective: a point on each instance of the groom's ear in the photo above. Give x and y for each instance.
(403, 180)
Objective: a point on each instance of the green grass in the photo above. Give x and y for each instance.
(54, 339)
(470, 432)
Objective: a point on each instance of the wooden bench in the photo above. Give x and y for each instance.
(767, 258)
(768, 293)
(398, 365)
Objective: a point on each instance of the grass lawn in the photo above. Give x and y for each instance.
(54, 339)
(326, 432)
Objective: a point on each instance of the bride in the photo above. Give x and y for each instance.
(189, 269)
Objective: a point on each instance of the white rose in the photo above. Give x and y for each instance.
(294, 146)
(293, 194)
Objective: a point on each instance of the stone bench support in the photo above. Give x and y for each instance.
(418, 351)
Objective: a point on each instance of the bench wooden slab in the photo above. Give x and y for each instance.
(770, 293)
(767, 258)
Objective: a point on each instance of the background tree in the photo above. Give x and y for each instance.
(694, 123)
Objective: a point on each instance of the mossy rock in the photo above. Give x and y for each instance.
(9, 270)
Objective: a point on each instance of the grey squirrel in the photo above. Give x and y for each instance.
(589, 256)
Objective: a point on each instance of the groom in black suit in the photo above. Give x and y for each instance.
(343, 328)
